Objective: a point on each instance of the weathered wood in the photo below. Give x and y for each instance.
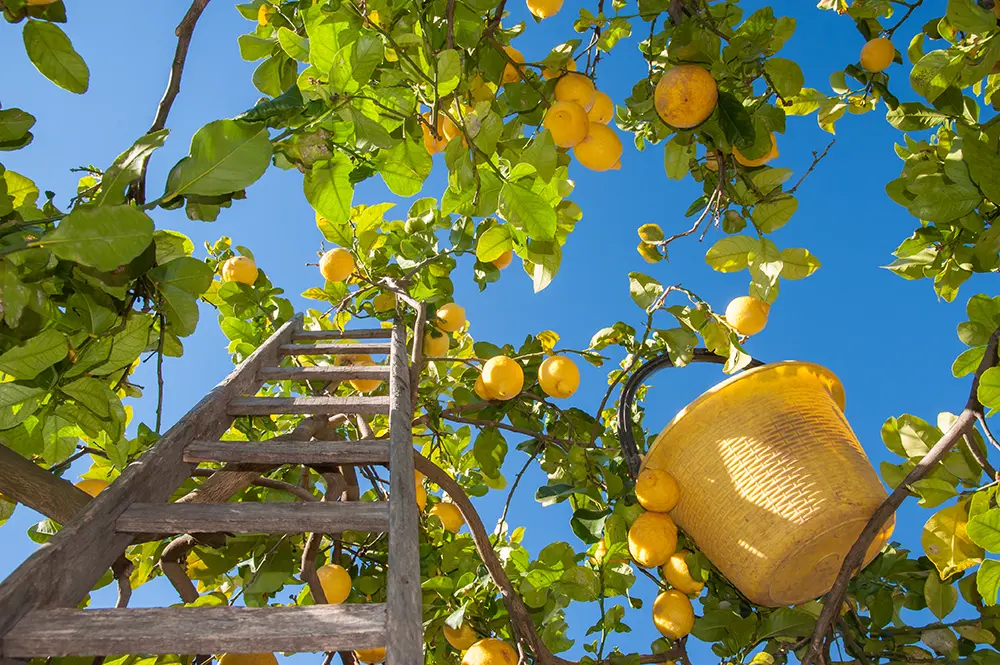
(25, 482)
(333, 349)
(404, 619)
(363, 333)
(72, 632)
(263, 406)
(327, 373)
(372, 451)
(66, 568)
(325, 517)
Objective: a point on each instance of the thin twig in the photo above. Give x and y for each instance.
(981, 419)
(513, 488)
(159, 371)
(980, 457)
(450, 15)
(816, 160)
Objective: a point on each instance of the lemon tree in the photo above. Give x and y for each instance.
(353, 91)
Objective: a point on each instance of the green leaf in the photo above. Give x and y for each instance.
(967, 16)
(984, 164)
(275, 75)
(933, 491)
(988, 581)
(14, 124)
(449, 71)
(21, 190)
(253, 47)
(294, 45)
(736, 123)
(52, 53)
(984, 530)
(941, 598)
(368, 54)
(127, 167)
(643, 289)
(59, 437)
(976, 634)
(12, 394)
(35, 355)
(914, 116)
(677, 158)
(405, 167)
(329, 190)
(786, 75)
(186, 273)
(798, 263)
(787, 622)
(490, 450)
(171, 245)
(180, 308)
(772, 215)
(935, 72)
(527, 210)
(103, 237)
(369, 131)
(967, 361)
(493, 243)
(542, 263)
(731, 254)
(989, 388)
(92, 394)
(540, 153)
(111, 354)
(226, 156)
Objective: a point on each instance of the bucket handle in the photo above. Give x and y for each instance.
(625, 436)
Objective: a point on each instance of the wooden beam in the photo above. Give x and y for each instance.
(333, 349)
(364, 333)
(325, 373)
(25, 482)
(372, 451)
(264, 406)
(64, 570)
(244, 517)
(72, 632)
(405, 612)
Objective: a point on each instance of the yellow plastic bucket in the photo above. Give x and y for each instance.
(775, 487)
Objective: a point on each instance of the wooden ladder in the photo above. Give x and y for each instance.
(39, 600)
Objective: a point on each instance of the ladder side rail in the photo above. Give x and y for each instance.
(61, 572)
(404, 608)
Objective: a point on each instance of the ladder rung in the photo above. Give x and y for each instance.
(245, 517)
(264, 406)
(365, 451)
(325, 373)
(332, 349)
(367, 333)
(169, 630)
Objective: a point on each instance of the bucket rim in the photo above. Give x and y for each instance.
(834, 383)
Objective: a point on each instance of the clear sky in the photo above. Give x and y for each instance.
(890, 341)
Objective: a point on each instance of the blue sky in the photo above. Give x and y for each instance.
(890, 341)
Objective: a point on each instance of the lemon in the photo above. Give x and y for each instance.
(434, 145)
(450, 317)
(503, 260)
(772, 154)
(483, 390)
(603, 109)
(421, 492)
(240, 269)
(371, 656)
(673, 614)
(656, 490)
(558, 376)
(248, 659)
(436, 344)
(450, 516)
(510, 72)
(336, 583)
(264, 13)
(567, 122)
(336, 265)
(92, 486)
(650, 233)
(576, 88)
(675, 571)
(549, 73)
(490, 651)
(462, 638)
(877, 54)
(503, 377)
(747, 314)
(685, 96)
(362, 360)
(384, 302)
(601, 150)
(652, 538)
(543, 9)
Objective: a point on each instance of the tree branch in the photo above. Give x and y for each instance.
(25, 482)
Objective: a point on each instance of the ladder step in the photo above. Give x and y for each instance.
(367, 333)
(333, 349)
(170, 630)
(365, 451)
(321, 517)
(325, 373)
(264, 406)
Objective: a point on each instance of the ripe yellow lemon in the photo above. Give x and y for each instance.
(567, 122)
(676, 572)
(510, 72)
(503, 260)
(503, 377)
(371, 656)
(362, 360)
(434, 145)
(673, 614)
(462, 638)
(549, 73)
(877, 54)
(601, 150)
(436, 344)
(685, 96)
(336, 583)
(421, 492)
(544, 8)
(652, 538)
(92, 486)
(558, 376)
(747, 314)
(248, 659)
(450, 317)
(490, 651)
(384, 302)
(772, 154)
(450, 516)
(336, 265)
(239, 269)
(603, 109)
(576, 88)
(657, 490)
(483, 390)
(264, 13)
